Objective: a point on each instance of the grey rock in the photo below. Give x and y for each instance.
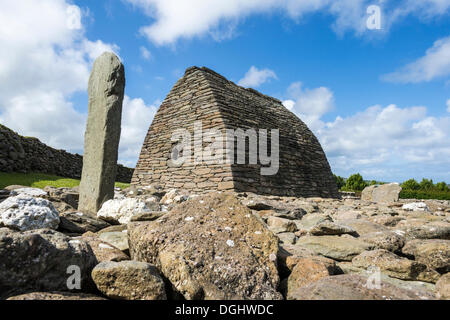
(23, 213)
(106, 91)
(129, 280)
(385, 193)
(39, 260)
(334, 247)
(78, 222)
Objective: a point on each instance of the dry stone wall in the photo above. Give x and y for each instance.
(205, 95)
(25, 155)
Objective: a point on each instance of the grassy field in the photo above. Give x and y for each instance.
(41, 180)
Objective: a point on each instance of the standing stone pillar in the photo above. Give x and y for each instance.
(101, 140)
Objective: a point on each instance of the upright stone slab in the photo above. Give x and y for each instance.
(101, 141)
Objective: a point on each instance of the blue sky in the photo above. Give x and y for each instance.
(378, 100)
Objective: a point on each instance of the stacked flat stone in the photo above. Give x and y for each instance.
(25, 155)
(203, 95)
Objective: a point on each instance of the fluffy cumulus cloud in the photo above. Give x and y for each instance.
(256, 77)
(434, 64)
(173, 19)
(381, 141)
(310, 104)
(136, 118)
(45, 59)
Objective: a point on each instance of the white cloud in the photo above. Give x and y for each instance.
(136, 119)
(309, 104)
(380, 142)
(255, 77)
(435, 64)
(145, 53)
(386, 138)
(448, 105)
(45, 59)
(174, 19)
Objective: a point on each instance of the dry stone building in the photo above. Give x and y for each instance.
(204, 97)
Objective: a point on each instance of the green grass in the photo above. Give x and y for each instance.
(41, 180)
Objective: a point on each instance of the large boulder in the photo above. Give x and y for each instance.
(122, 210)
(27, 213)
(40, 260)
(129, 280)
(385, 193)
(356, 287)
(211, 247)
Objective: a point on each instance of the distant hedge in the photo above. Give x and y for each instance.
(424, 194)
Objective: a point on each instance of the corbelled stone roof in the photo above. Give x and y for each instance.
(204, 95)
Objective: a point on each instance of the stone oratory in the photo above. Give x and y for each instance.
(231, 138)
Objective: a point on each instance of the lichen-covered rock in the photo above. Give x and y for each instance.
(39, 260)
(55, 296)
(334, 247)
(356, 287)
(389, 263)
(211, 247)
(420, 229)
(434, 253)
(121, 211)
(129, 280)
(27, 213)
(387, 240)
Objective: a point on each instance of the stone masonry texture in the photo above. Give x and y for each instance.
(26, 155)
(101, 140)
(203, 95)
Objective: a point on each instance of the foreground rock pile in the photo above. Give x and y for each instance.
(147, 244)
